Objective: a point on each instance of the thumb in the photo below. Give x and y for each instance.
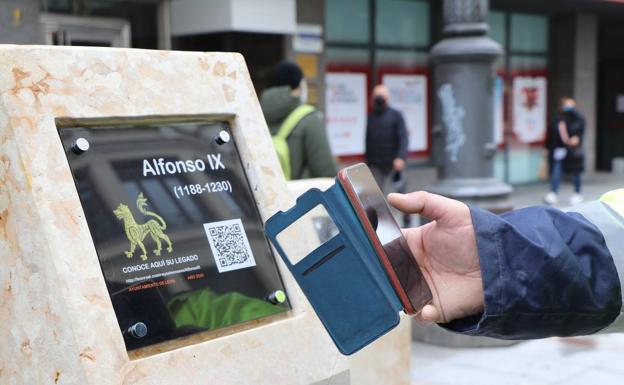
(432, 206)
(430, 314)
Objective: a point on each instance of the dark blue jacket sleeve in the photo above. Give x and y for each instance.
(545, 273)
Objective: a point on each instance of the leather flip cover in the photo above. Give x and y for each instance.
(343, 278)
(368, 202)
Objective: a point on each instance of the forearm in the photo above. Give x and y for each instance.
(545, 273)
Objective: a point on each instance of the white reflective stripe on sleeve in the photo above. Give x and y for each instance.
(611, 225)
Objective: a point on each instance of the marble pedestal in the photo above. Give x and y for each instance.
(57, 325)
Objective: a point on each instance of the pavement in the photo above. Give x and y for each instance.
(553, 361)
(597, 359)
(594, 185)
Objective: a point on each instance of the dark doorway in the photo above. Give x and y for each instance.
(611, 114)
(610, 110)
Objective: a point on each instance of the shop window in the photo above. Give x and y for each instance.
(347, 59)
(402, 22)
(523, 63)
(498, 27)
(520, 93)
(399, 44)
(402, 60)
(405, 73)
(529, 33)
(347, 21)
(347, 81)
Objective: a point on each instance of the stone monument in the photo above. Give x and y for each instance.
(134, 188)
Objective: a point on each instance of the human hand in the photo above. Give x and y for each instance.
(446, 251)
(574, 141)
(398, 164)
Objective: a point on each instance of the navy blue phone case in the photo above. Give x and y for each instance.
(343, 278)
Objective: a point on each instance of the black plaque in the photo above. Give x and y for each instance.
(175, 226)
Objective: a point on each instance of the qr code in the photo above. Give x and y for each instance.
(229, 245)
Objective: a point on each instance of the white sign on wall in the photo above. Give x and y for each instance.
(345, 109)
(308, 38)
(619, 104)
(529, 108)
(408, 94)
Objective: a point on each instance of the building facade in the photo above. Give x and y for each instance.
(552, 49)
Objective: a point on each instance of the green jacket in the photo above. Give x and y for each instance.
(310, 156)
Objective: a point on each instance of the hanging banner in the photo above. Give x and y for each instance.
(408, 94)
(498, 111)
(345, 109)
(529, 108)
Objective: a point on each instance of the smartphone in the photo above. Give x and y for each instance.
(386, 236)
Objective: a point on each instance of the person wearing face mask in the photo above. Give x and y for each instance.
(565, 150)
(386, 143)
(297, 128)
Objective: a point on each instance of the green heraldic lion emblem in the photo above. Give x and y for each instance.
(136, 232)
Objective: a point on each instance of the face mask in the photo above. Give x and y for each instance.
(303, 95)
(379, 101)
(568, 108)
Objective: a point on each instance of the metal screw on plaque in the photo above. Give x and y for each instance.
(223, 137)
(277, 297)
(138, 330)
(81, 145)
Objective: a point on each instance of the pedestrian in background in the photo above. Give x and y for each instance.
(386, 143)
(565, 150)
(298, 129)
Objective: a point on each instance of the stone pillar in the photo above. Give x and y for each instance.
(463, 90)
(585, 80)
(163, 16)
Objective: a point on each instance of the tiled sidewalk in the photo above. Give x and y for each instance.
(531, 194)
(554, 361)
(593, 187)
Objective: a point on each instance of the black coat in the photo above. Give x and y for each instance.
(386, 137)
(575, 160)
(575, 125)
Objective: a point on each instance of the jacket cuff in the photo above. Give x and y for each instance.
(486, 234)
